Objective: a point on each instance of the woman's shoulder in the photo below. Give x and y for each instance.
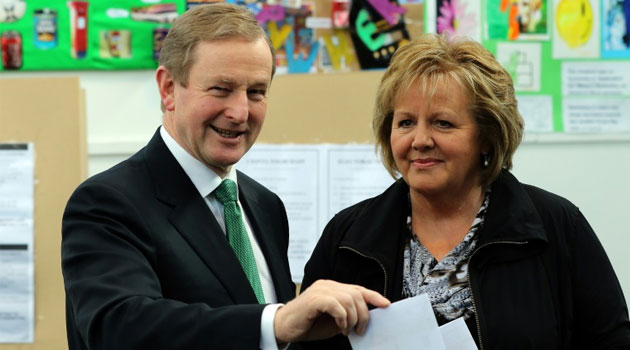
(512, 189)
(548, 202)
(544, 199)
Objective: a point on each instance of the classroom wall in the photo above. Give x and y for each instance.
(590, 170)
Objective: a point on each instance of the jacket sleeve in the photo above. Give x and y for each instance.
(320, 266)
(600, 310)
(114, 294)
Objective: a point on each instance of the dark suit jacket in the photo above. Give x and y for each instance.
(146, 265)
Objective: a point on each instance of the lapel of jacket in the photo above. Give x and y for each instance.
(263, 223)
(192, 218)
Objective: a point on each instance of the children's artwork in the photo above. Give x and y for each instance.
(336, 52)
(377, 29)
(576, 29)
(458, 18)
(615, 29)
(523, 62)
(295, 44)
(517, 19)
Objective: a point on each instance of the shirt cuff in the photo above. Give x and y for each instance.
(267, 333)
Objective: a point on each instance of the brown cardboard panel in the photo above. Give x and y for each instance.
(49, 112)
(321, 108)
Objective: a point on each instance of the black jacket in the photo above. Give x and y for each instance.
(539, 276)
(147, 266)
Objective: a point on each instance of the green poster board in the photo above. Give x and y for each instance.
(569, 59)
(69, 35)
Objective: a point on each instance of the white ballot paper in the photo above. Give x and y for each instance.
(410, 324)
(406, 324)
(457, 336)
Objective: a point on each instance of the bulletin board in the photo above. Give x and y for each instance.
(127, 34)
(569, 59)
(49, 112)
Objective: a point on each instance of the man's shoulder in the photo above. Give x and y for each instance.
(128, 168)
(129, 178)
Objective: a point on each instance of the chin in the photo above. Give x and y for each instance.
(425, 188)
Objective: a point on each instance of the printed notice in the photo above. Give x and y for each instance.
(605, 115)
(292, 172)
(355, 173)
(594, 78)
(16, 243)
(315, 182)
(596, 97)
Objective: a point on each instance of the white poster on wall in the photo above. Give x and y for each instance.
(596, 97)
(522, 61)
(314, 182)
(17, 302)
(537, 111)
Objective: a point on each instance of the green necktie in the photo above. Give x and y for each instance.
(237, 235)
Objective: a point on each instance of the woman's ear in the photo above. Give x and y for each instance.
(166, 86)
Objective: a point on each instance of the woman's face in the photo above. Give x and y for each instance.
(435, 143)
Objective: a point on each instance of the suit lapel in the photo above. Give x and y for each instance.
(192, 218)
(264, 224)
(196, 224)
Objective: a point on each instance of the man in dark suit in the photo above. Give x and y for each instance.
(145, 256)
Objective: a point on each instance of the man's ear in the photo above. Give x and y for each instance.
(166, 86)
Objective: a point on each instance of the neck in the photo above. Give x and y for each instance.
(447, 206)
(441, 222)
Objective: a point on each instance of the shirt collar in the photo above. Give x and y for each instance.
(204, 179)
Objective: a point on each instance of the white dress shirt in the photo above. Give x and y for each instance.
(206, 181)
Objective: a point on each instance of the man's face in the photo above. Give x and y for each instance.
(219, 115)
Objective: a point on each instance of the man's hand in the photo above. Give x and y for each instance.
(325, 309)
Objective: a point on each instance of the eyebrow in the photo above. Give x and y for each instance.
(255, 82)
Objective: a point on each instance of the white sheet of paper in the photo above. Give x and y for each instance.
(523, 62)
(354, 173)
(293, 174)
(456, 336)
(314, 182)
(537, 111)
(406, 324)
(17, 302)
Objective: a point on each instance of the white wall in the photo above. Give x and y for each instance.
(593, 171)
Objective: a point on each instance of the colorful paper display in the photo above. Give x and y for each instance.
(533, 39)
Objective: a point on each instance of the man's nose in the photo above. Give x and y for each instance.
(237, 108)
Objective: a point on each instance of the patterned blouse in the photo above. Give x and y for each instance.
(446, 281)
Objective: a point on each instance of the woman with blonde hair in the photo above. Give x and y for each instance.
(521, 265)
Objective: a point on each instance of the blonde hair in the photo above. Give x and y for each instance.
(432, 59)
